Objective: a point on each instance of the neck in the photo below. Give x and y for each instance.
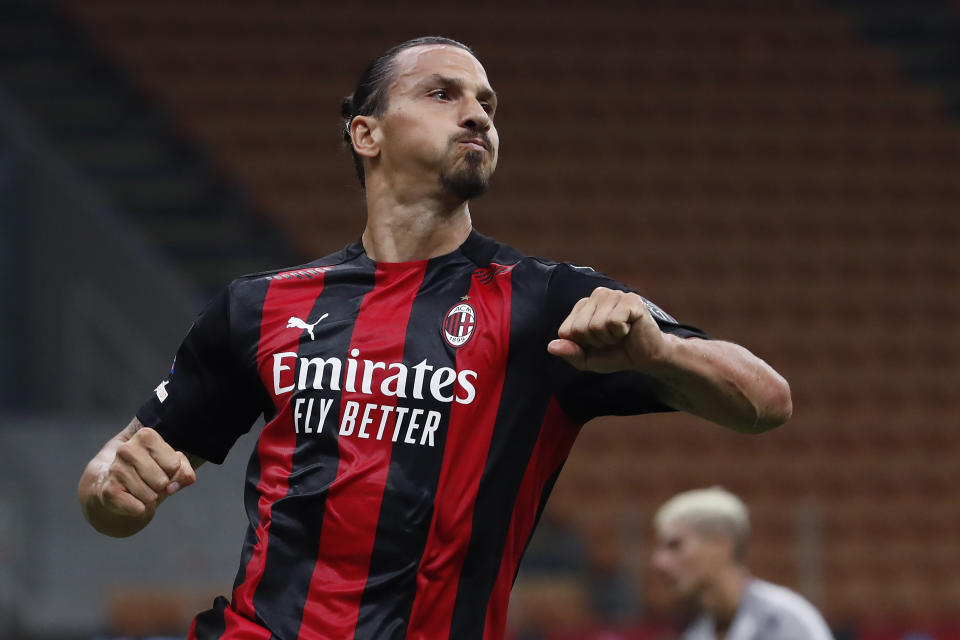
(722, 597)
(404, 230)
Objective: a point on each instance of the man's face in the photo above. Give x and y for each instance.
(687, 559)
(439, 121)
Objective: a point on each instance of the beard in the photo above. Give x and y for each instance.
(468, 179)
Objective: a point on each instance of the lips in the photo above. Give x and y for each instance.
(477, 143)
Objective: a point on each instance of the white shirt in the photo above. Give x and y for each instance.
(766, 612)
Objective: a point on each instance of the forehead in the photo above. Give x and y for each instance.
(418, 63)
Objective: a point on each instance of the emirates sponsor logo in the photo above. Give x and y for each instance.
(292, 372)
(389, 388)
(459, 324)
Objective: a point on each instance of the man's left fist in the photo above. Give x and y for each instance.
(610, 331)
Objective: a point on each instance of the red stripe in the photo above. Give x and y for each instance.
(464, 458)
(239, 627)
(553, 445)
(286, 298)
(353, 502)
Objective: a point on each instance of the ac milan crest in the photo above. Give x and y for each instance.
(459, 324)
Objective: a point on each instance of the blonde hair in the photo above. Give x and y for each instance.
(710, 511)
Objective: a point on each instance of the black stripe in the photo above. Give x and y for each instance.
(250, 504)
(247, 316)
(211, 624)
(250, 538)
(523, 405)
(251, 322)
(296, 519)
(407, 508)
(547, 489)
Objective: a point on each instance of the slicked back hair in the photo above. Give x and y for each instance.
(713, 511)
(370, 96)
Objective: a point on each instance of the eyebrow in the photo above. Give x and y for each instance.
(485, 93)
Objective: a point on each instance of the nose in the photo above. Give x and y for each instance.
(474, 117)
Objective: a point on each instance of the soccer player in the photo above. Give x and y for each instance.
(421, 388)
(701, 550)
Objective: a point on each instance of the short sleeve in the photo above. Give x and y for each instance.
(585, 395)
(208, 400)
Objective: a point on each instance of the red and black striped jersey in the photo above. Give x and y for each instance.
(414, 426)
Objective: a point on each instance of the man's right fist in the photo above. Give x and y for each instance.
(144, 472)
(134, 472)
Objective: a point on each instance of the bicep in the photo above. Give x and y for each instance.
(212, 394)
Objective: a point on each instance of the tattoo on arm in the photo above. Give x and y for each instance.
(129, 430)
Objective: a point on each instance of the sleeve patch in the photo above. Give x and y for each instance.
(161, 391)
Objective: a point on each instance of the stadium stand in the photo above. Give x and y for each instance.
(135, 155)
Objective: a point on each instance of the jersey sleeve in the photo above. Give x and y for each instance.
(585, 395)
(208, 400)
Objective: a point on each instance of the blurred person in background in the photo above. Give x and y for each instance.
(421, 388)
(701, 551)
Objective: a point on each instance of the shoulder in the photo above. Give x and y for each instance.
(255, 283)
(561, 283)
(487, 252)
(235, 309)
(788, 606)
(777, 597)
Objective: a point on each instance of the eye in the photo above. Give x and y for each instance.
(440, 94)
(486, 106)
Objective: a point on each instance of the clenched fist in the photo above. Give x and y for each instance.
(610, 331)
(125, 483)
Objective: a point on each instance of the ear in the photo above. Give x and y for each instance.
(365, 133)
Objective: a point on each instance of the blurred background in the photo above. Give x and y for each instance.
(782, 174)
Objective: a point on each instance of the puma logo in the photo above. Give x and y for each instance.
(296, 323)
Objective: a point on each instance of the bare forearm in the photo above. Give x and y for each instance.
(723, 382)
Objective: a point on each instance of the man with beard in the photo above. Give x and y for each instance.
(421, 388)
(701, 551)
